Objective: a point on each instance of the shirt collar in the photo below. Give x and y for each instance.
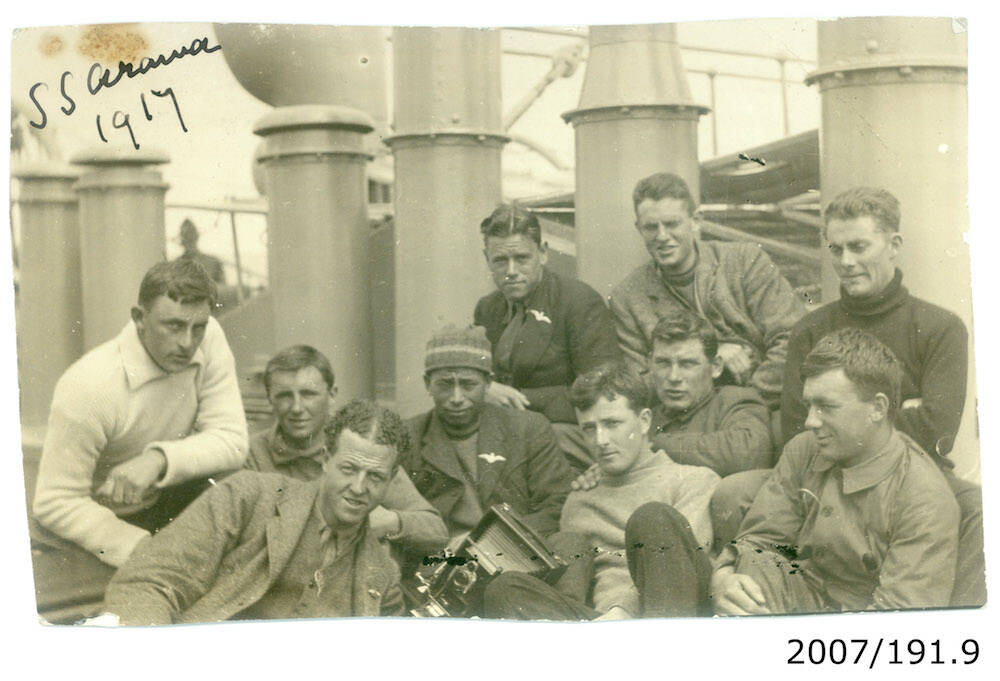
(283, 451)
(139, 366)
(664, 418)
(870, 472)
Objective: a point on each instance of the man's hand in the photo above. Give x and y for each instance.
(615, 613)
(128, 482)
(736, 594)
(505, 396)
(587, 480)
(383, 522)
(737, 359)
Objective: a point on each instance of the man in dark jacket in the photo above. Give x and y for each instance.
(263, 546)
(467, 455)
(544, 329)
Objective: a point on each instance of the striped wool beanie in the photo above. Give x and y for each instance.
(453, 347)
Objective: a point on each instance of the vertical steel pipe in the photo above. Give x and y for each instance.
(314, 161)
(636, 117)
(121, 234)
(446, 147)
(50, 307)
(895, 115)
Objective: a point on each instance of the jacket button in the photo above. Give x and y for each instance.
(374, 594)
(827, 511)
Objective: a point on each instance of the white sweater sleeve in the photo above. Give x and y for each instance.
(75, 438)
(218, 441)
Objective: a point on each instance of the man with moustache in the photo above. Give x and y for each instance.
(139, 423)
(855, 515)
(646, 521)
(300, 387)
(263, 546)
(734, 286)
(544, 329)
(467, 455)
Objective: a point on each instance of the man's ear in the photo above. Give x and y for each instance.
(880, 408)
(718, 366)
(333, 392)
(895, 242)
(543, 252)
(138, 314)
(645, 420)
(427, 381)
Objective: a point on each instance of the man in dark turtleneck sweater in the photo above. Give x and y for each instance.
(862, 232)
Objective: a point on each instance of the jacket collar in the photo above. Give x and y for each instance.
(138, 365)
(870, 472)
(437, 449)
(704, 269)
(285, 529)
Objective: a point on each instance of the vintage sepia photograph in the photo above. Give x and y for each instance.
(532, 323)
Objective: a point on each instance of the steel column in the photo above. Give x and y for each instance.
(895, 115)
(50, 307)
(121, 234)
(314, 162)
(446, 148)
(636, 117)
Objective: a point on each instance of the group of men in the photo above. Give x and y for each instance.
(699, 445)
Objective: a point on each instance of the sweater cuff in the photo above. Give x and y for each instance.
(118, 553)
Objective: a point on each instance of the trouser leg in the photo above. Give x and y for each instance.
(786, 589)
(970, 573)
(519, 596)
(576, 551)
(573, 444)
(731, 501)
(173, 500)
(669, 568)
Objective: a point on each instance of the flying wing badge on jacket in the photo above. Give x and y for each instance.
(490, 457)
(540, 316)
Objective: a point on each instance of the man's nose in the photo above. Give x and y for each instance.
(456, 394)
(186, 338)
(661, 232)
(847, 259)
(812, 419)
(600, 436)
(296, 402)
(511, 268)
(358, 483)
(674, 374)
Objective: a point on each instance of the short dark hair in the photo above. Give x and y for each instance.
(298, 357)
(878, 204)
(868, 363)
(182, 280)
(371, 421)
(681, 325)
(663, 186)
(611, 380)
(508, 220)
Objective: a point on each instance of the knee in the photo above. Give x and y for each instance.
(505, 594)
(735, 493)
(653, 519)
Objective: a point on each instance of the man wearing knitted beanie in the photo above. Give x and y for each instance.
(467, 455)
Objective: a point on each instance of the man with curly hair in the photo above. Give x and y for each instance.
(264, 546)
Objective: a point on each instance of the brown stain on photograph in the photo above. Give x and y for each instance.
(51, 45)
(109, 44)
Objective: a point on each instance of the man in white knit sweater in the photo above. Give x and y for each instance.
(647, 519)
(139, 422)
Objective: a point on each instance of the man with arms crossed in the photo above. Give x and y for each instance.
(855, 516)
(138, 423)
(263, 546)
(734, 286)
(300, 387)
(647, 519)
